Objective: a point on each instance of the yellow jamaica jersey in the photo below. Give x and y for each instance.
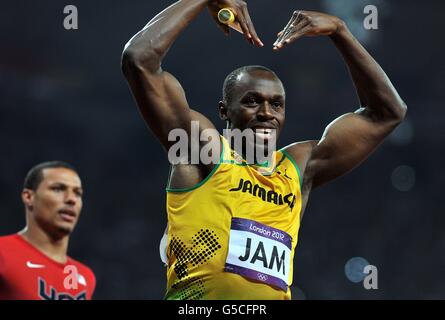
(233, 235)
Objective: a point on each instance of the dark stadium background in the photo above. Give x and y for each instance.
(62, 96)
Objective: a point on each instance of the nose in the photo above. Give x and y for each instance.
(70, 198)
(265, 112)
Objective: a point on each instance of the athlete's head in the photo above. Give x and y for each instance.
(52, 195)
(253, 97)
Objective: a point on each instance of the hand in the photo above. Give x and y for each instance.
(307, 23)
(242, 17)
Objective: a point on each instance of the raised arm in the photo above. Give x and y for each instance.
(352, 137)
(159, 95)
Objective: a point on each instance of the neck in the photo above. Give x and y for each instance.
(259, 156)
(55, 248)
(252, 149)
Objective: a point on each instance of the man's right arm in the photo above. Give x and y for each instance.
(159, 95)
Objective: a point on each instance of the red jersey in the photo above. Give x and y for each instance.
(28, 274)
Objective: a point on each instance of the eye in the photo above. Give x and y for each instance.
(57, 188)
(277, 104)
(250, 101)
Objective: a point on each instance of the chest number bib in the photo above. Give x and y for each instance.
(259, 252)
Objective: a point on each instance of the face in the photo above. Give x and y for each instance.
(56, 204)
(258, 103)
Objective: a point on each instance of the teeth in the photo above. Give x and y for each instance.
(263, 130)
(263, 134)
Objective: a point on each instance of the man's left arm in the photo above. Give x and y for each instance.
(352, 137)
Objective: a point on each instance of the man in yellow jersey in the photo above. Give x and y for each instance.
(233, 224)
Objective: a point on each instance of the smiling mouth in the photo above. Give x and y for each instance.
(264, 133)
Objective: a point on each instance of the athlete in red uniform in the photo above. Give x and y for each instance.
(34, 262)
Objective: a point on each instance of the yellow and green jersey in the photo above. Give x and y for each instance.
(233, 235)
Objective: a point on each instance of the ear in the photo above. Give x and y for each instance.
(28, 198)
(222, 111)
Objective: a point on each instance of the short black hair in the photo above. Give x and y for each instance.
(231, 79)
(35, 175)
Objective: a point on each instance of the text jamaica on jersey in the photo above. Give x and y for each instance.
(265, 195)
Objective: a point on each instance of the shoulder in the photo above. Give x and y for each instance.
(81, 266)
(83, 269)
(301, 152)
(8, 240)
(86, 277)
(7, 243)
